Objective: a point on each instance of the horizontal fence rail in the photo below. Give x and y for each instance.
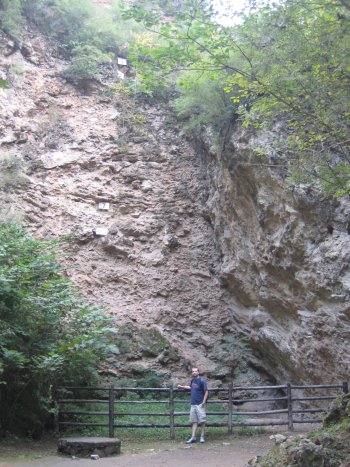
(238, 406)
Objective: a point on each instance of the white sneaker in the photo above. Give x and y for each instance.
(191, 441)
(202, 440)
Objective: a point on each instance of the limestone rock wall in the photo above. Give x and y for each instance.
(285, 261)
(119, 177)
(183, 245)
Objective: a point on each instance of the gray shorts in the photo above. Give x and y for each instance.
(197, 414)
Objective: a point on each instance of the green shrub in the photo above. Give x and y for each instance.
(11, 18)
(106, 30)
(80, 22)
(148, 378)
(85, 62)
(202, 101)
(48, 336)
(89, 34)
(60, 19)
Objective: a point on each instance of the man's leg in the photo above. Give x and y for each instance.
(194, 429)
(194, 421)
(202, 422)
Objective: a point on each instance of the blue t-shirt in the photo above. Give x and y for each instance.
(198, 388)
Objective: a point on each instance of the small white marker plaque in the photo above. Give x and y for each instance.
(122, 61)
(103, 206)
(101, 231)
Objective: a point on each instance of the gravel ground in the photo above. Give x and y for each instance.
(232, 451)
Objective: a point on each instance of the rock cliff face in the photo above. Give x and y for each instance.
(183, 245)
(119, 177)
(285, 261)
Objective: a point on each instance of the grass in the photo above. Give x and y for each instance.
(126, 413)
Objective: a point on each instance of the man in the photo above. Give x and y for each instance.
(199, 396)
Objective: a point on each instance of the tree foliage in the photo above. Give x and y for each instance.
(287, 62)
(48, 336)
(206, 103)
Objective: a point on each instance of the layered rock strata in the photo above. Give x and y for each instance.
(119, 178)
(285, 261)
(180, 244)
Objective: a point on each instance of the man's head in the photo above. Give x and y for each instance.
(195, 372)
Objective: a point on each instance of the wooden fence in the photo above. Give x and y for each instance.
(293, 404)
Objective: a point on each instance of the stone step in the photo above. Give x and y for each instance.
(85, 447)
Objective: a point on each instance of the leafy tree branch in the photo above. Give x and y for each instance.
(287, 62)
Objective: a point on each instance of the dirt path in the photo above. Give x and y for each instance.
(232, 452)
(228, 451)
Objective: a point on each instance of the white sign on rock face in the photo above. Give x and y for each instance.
(101, 231)
(103, 206)
(146, 185)
(122, 61)
(120, 74)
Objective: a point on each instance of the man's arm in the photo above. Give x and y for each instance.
(179, 386)
(205, 398)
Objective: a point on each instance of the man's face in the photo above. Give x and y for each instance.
(195, 372)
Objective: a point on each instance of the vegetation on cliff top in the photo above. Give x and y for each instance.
(286, 63)
(286, 66)
(88, 34)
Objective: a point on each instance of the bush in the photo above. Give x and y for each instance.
(48, 336)
(80, 22)
(60, 19)
(85, 62)
(143, 378)
(11, 16)
(202, 101)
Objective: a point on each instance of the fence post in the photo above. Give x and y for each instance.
(345, 386)
(230, 407)
(56, 410)
(290, 407)
(111, 411)
(171, 412)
